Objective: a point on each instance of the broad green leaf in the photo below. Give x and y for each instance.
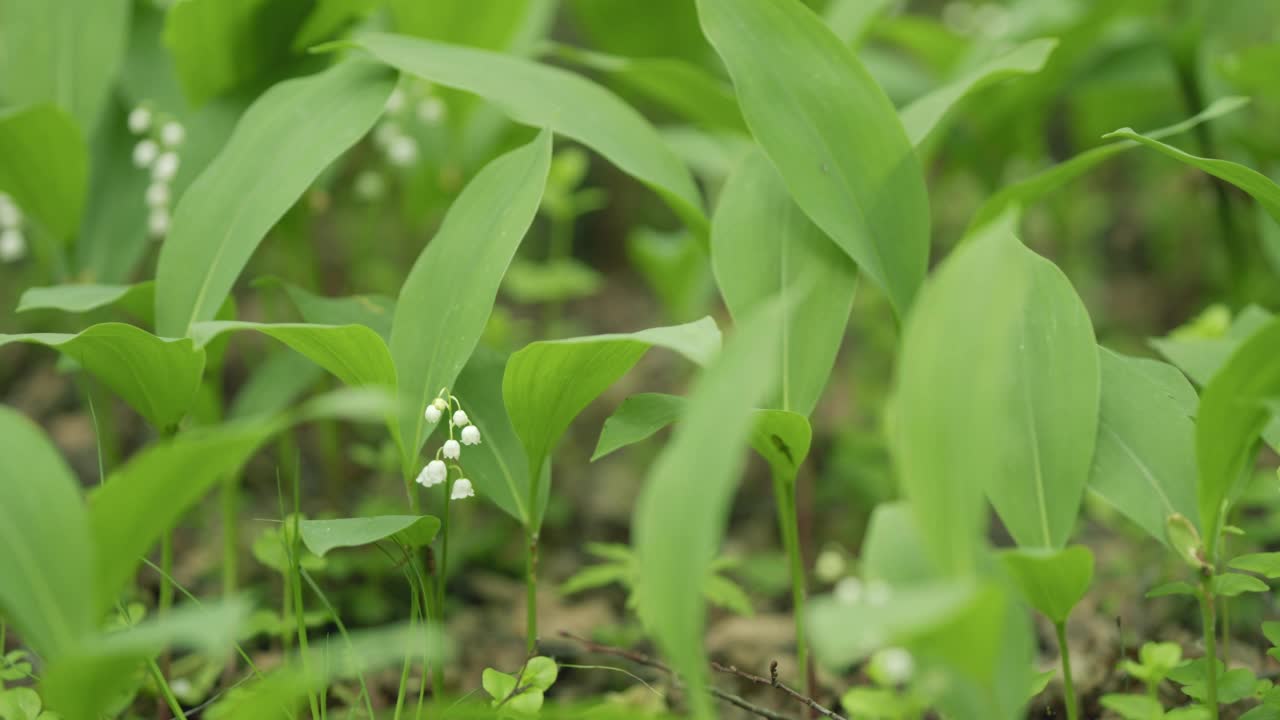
(893, 550)
(637, 418)
(497, 467)
(1052, 581)
(924, 114)
(1257, 185)
(907, 613)
(219, 45)
(832, 134)
(83, 684)
(1144, 461)
(1027, 191)
(45, 550)
(676, 268)
(1266, 564)
(321, 536)
(158, 377)
(540, 672)
(547, 383)
(545, 96)
(763, 245)
(1232, 584)
(274, 384)
(1177, 587)
(1232, 414)
(1020, 416)
(354, 354)
(137, 299)
(449, 294)
(113, 236)
(851, 19)
(492, 26)
(682, 87)
(65, 52)
(1201, 356)
(681, 514)
(782, 438)
(374, 311)
(287, 137)
(328, 18)
(1134, 707)
(44, 166)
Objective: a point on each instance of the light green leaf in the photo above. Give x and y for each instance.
(274, 384)
(924, 114)
(681, 513)
(1177, 587)
(893, 550)
(66, 52)
(682, 87)
(137, 299)
(547, 383)
(637, 418)
(1019, 416)
(1257, 185)
(44, 165)
(1052, 581)
(493, 26)
(285, 139)
(909, 612)
(676, 268)
(763, 245)
(540, 672)
(1266, 564)
(1232, 414)
(558, 280)
(354, 354)
(851, 19)
(373, 311)
(596, 576)
(329, 18)
(158, 377)
(1027, 191)
(544, 96)
(1134, 707)
(1144, 461)
(220, 45)
(1201, 356)
(1232, 584)
(832, 134)
(82, 684)
(782, 438)
(45, 550)
(449, 294)
(321, 536)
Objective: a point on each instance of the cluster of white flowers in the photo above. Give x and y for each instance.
(394, 135)
(851, 591)
(894, 665)
(157, 151)
(13, 245)
(437, 471)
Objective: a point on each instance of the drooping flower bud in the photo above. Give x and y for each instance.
(145, 153)
(166, 167)
(158, 195)
(139, 120)
(172, 134)
(13, 246)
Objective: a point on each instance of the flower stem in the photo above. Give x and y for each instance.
(1208, 620)
(1068, 684)
(784, 491)
(531, 593)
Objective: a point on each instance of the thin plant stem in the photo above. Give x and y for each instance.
(293, 587)
(1208, 621)
(165, 691)
(408, 657)
(342, 630)
(227, 502)
(1068, 684)
(789, 528)
(531, 592)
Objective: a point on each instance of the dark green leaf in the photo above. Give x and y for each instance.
(44, 166)
(1233, 584)
(637, 418)
(354, 354)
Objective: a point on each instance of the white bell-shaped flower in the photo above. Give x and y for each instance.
(13, 246)
(158, 223)
(451, 449)
(139, 120)
(895, 665)
(460, 418)
(432, 414)
(433, 474)
(402, 151)
(10, 216)
(462, 489)
(166, 167)
(471, 435)
(158, 195)
(431, 110)
(145, 153)
(172, 134)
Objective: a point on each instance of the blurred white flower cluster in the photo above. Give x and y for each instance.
(13, 244)
(395, 134)
(157, 151)
(437, 471)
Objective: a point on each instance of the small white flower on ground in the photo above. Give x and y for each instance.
(431, 110)
(462, 489)
(10, 216)
(139, 120)
(432, 414)
(452, 449)
(471, 435)
(460, 418)
(829, 566)
(433, 474)
(849, 591)
(145, 153)
(878, 592)
(370, 185)
(166, 167)
(395, 102)
(895, 664)
(158, 222)
(158, 195)
(172, 134)
(402, 151)
(12, 245)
